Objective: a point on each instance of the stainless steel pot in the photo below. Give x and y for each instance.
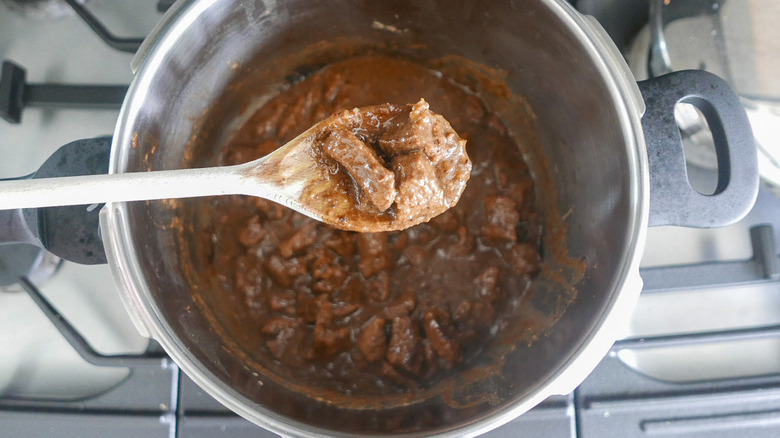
(612, 169)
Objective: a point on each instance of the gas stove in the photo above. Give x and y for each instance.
(700, 356)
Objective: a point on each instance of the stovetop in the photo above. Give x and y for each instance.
(700, 356)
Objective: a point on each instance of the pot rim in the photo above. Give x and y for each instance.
(141, 306)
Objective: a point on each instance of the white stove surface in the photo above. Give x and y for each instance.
(36, 361)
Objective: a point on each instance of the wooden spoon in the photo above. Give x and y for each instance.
(296, 175)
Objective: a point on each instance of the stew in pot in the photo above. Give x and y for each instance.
(373, 314)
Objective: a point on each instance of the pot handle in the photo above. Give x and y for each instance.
(69, 232)
(672, 199)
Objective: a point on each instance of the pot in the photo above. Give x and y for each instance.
(611, 152)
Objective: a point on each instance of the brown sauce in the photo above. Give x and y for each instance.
(371, 314)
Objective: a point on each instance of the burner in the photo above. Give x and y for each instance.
(40, 8)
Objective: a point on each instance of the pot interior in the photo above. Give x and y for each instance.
(584, 166)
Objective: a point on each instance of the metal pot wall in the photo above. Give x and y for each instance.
(614, 171)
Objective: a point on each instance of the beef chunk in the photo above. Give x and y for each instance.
(436, 323)
(483, 315)
(404, 350)
(331, 285)
(368, 170)
(328, 274)
(342, 309)
(419, 193)
(473, 315)
(523, 258)
(307, 307)
(462, 311)
(487, 284)
(405, 133)
(330, 341)
(301, 239)
(465, 242)
(372, 340)
(323, 264)
(276, 324)
(252, 233)
(341, 243)
(282, 301)
(374, 256)
(379, 287)
(248, 278)
(289, 346)
(283, 338)
(401, 306)
(284, 272)
(431, 358)
(501, 218)
(416, 254)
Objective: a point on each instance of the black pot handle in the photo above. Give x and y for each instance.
(672, 199)
(69, 232)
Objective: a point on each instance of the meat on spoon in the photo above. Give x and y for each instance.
(405, 165)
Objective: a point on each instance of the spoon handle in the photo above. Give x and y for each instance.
(134, 186)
